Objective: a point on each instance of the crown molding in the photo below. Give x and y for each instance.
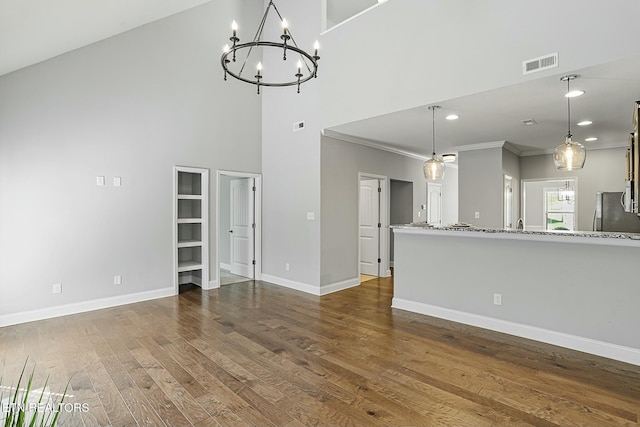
(371, 144)
(481, 146)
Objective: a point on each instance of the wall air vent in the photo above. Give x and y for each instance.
(540, 63)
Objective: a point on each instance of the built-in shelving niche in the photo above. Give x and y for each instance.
(191, 251)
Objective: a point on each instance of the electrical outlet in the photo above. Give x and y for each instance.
(57, 288)
(477, 215)
(497, 299)
(117, 280)
(419, 214)
(286, 266)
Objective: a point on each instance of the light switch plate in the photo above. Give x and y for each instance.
(117, 280)
(100, 182)
(117, 181)
(311, 216)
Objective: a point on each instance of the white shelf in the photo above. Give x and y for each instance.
(189, 220)
(189, 243)
(191, 226)
(189, 266)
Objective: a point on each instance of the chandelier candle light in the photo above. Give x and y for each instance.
(571, 155)
(434, 167)
(306, 67)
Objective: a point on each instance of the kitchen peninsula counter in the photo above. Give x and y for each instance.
(579, 290)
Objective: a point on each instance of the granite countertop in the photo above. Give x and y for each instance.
(473, 229)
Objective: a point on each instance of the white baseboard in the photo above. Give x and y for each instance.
(339, 286)
(298, 286)
(81, 307)
(587, 345)
(225, 266)
(310, 289)
(213, 284)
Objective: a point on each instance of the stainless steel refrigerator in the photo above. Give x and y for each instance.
(611, 216)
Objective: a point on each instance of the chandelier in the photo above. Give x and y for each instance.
(434, 167)
(571, 154)
(306, 66)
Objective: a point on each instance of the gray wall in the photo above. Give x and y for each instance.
(579, 297)
(131, 106)
(604, 170)
(400, 206)
(291, 161)
(480, 187)
(341, 162)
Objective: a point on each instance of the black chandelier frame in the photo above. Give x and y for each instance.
(257, 42)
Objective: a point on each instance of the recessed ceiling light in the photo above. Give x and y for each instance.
(574, 93)
(585, 123)
(591, 139)
(452, 117)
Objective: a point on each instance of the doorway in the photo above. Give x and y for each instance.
(434, 204)
(373, 226)
(238, 238)
(400, 207)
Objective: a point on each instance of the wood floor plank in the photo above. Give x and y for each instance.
(253, 353)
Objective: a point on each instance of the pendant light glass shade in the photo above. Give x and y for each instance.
(569, 156)
(433, 169)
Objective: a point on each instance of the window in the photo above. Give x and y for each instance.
(559, 208)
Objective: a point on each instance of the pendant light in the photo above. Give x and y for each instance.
(570, 155)
(434, 167)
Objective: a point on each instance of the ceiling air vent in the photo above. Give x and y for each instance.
(541, 63)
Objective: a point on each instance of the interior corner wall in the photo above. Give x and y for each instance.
(341, 163)
(480, 184)
(132, 106)
(291, 162)
(604, 170)
(486, 42)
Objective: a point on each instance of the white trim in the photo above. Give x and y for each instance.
(291, 284)
(225, 266)
(204, 247)
(81, 307)
(385, 214)
(481, 146)
(214, 284)
(339, 286)
(587, 345)
(258, 218)
(339, 24)
(372, 144)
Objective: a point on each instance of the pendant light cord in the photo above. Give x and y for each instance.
(433, 128)
(568, 109)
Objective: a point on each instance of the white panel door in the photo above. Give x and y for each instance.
(434, 212)
(242, 239)
(369, 230)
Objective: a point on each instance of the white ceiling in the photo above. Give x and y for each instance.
(611, 90)
(32, 31)
(35, 30)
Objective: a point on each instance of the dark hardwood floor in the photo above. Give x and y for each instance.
(255, 354)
